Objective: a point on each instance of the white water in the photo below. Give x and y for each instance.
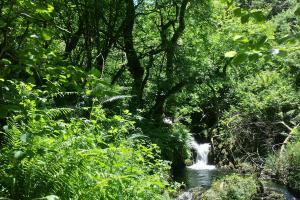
(202, 151)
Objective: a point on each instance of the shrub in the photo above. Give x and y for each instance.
(266, 103)
(172, 140)
(80, 158)
(293, 178)
(232, 187)
(285, 165)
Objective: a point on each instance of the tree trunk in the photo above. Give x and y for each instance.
(133, 63)
(169, 46)
(73, 41)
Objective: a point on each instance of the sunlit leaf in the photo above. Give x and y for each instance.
(237, 37)
(51, 197)
(34, 36)
(46, 36)
(274, 51)
(19, 155)
(6, 61)
(230, 54)
(24, 137)
(50, 8)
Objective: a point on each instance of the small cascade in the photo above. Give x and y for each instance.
(202, 151)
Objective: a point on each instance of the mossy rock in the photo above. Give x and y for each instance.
(188, 162)
(192, 194)
(232, 187)
(270, 195)
(197, 193)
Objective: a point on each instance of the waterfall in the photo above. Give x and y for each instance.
(202, 151)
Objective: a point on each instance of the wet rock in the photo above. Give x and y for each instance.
(192, 194)
(197, 193)
(270, 195)
(185, 196)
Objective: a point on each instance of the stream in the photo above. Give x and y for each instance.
(202, 174)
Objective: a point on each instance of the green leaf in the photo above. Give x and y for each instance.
(2, 23)
(297, 36)
(5, 128)
(258, 16)
(24, 137)
(254, 56)
(244, 19)
(237, 37)
(51, 197)
(3, 112)
(28, 70)
(284, 39)
(46, 36)
(95, 72)
(230, 54)
(35, 36)
(297, 12)
(6, 61)
(274, 51)
(241, 39)
(261, 41)
(50, 8)
(31, 79)
(240, 58)
(237, 12)
(283, 52)
(19, 155)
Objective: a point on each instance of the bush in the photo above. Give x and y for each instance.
(266, 103)
(232, 187)
(80, 158)
(285, 165)
(172, 140)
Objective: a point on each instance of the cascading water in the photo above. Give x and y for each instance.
(201, 174)
(202, 151)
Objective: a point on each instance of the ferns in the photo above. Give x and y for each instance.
(114, 98)
(64, 145)
(54, 113)
(71, 162)
(63, 94)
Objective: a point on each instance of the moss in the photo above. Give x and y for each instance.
(232, 187)
(188, 162)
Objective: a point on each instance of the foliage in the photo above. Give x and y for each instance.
(284, 165)
(173, 141)
(265, 104)
(232, 187)
(116, 86)
(294, 161)
(82, 158)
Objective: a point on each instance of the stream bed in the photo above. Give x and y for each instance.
(204, 178)
(202, 174)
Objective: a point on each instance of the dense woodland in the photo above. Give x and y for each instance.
(99, 99)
